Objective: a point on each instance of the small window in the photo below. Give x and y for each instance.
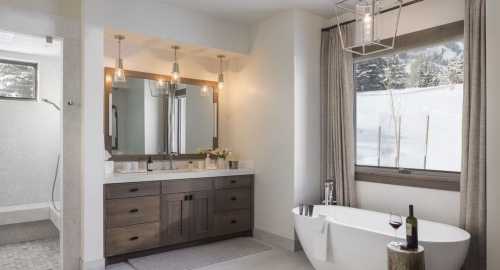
(409, 115)
(18, 80)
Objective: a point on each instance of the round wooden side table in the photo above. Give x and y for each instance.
(400, 259)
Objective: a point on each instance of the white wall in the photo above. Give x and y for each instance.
(493, 133)
(271, 115)
(30, 134)
(444, 206)
(307, 152)
(159, 61)
(258, 120)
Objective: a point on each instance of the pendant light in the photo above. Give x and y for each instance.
(175, 66)
(119, 73)
(368, 21)
(220, 77)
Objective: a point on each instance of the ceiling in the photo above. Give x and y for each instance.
(251, 11)
(135, 43)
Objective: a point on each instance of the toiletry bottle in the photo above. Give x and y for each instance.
(411, 231)
(207, 162)
(149, 164)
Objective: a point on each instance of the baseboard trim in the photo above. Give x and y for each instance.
(274, 240)
(93, 265)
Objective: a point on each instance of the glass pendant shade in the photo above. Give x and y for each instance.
(366, 37)
(176, 75)
(220, 81)
(220, 77)
(119, 73)
(175, 71)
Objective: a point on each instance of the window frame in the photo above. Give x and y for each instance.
(421, 178)
(23, 63)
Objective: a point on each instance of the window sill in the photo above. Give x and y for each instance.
(414, 178)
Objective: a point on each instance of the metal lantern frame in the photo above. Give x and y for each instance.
(373, 46)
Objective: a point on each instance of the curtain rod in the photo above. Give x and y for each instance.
(382, 12)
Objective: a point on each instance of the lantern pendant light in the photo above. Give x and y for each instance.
(119, 73)
(220, 77)
(175, 66)
(368, 20)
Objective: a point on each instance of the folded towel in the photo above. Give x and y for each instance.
(320, 251)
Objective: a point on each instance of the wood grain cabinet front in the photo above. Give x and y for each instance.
(132, 238)
(232, 199)
(129, 190)
(174, 213)
(131, 211)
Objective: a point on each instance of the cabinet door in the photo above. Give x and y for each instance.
(202, 215)
(175, 218)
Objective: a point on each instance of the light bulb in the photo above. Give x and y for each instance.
(204, 91)
(365, 21)
(220, 81)
(175, 71)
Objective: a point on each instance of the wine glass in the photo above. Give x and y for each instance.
(395, 221)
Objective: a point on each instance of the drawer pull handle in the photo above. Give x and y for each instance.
(233, 198)
(133, 190)
(133, 238)
(135, 210)
(234, 221)
(233, 181)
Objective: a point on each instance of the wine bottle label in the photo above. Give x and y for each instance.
(409, 230)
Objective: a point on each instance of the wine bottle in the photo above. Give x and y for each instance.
(411, 231)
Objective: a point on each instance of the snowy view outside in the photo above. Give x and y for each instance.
(17, 79)
(409, 108)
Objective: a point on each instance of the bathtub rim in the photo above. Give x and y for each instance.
(466, 234)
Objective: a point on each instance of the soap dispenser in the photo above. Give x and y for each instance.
(149, 164)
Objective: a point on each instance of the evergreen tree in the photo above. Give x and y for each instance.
(428, 74)
(456, 70)
(395, 73)
(370, 74)
(16, 80)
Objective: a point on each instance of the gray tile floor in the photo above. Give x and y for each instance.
(33, 255)
(274, 259)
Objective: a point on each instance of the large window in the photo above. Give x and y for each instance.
(18, 80)
(409, 110)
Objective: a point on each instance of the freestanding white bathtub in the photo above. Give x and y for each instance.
(356, 239)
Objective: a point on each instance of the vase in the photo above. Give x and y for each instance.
(221, 163)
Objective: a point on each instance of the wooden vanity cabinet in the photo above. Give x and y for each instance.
(143, 216)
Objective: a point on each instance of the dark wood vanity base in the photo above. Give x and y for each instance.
(144, 218)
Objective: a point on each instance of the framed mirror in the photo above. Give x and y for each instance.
(136, 116)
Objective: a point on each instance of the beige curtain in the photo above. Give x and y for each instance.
(337, 116)
(473, 178)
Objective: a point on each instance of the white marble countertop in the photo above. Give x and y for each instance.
(172, 175)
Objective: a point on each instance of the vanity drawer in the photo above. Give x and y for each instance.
(183, 186)
(232, 222)
(132, 238)
(232, 199)
(233, 181)
(128, 190)
(130, 211)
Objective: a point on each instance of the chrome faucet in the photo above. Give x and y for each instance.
(171, 161)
